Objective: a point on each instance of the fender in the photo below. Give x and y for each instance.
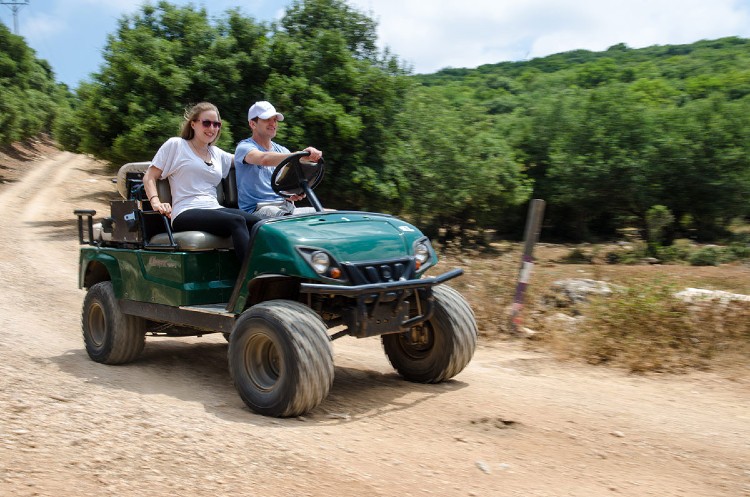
(96, 266)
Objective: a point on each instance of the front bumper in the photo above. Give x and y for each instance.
(381, 308)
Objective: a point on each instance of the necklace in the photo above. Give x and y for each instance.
(203, 156)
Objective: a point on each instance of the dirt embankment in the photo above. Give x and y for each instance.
(514, 423)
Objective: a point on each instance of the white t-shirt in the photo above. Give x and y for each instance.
(191, 180)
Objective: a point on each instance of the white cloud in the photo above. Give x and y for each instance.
(441, 33)
(641, 23)
(42, 26)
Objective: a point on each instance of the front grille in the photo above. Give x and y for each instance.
(380, 271)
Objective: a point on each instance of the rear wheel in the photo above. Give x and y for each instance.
(439, 348)
(280, 358)
(110, 336)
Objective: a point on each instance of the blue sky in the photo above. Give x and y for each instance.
(427, 34)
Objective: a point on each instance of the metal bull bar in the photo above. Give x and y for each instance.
(377, 294)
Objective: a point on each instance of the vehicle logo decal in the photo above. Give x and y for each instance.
(160, 262)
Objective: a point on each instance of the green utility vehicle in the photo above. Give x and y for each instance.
(307, 280)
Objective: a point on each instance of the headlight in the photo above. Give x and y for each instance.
(421, 252)
(320, 262)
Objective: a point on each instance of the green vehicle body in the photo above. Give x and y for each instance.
(179, 279)
(176, 278)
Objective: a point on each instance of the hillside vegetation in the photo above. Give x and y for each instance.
(605, 137)
(29, 97)
(656, 139)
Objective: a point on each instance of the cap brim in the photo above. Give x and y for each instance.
(269, 115)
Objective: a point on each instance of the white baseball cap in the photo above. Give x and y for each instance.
(263, 110)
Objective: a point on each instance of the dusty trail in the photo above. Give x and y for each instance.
(513, 423)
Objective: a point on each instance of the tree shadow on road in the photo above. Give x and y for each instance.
(52, 230)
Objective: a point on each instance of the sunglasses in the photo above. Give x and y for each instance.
(207, 123)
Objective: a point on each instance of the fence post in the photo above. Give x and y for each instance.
(531, 236)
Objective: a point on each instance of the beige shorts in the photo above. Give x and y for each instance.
(280, 208)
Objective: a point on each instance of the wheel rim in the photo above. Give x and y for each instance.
(97, 325)
(417, 342)
(263, 364)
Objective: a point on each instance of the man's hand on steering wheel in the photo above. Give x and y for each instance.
(315, 154)
(298, 174)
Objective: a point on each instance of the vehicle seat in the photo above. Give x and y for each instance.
(189, 241)
(226, 192)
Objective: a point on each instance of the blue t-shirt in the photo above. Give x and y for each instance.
(254, 181)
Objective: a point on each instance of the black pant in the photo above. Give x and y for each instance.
(220, 222)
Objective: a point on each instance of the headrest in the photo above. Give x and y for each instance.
(130, 167)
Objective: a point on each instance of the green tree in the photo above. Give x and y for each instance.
(703, 154)
(341, 93)
(28, 92)
(598, 165)
(157, 64)
(439, 174)
(309, 19)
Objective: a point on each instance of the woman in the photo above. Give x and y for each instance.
(194, 166)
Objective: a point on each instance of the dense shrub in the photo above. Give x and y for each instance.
(706, 256)
(29, 95)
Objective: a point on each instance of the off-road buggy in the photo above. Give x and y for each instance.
(307, 280)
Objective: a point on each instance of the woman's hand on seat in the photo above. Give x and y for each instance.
(162, 207)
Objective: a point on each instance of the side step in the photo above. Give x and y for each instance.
(208, 308)
(209, 317)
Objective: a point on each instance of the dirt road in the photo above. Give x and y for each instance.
(514, 423)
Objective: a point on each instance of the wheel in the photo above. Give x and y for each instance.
(110, 336)
(280, 358)
(439, 348)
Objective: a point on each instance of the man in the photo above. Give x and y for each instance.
(255, 159)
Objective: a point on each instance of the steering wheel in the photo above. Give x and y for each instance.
(292, 173)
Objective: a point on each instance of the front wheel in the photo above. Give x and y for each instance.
(439, 348)
(280, 358)
(110, 336)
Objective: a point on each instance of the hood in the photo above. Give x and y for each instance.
(347, 236)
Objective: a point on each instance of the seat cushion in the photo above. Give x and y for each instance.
(190, 241)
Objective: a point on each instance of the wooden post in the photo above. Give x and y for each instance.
(531, 236)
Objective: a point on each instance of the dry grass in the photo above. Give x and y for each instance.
(642, 327)
(646, 328)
